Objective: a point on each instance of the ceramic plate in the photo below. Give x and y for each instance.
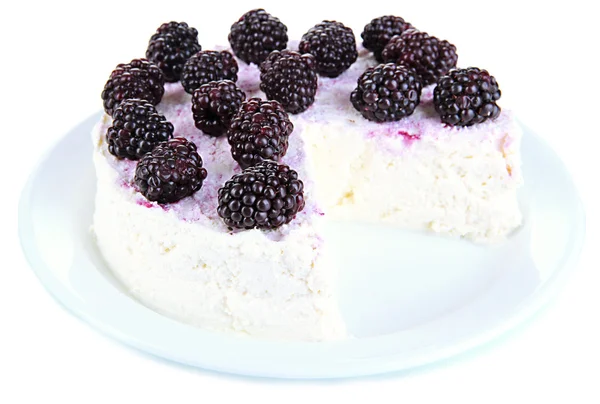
(409, 299)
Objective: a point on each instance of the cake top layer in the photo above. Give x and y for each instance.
(332, 107)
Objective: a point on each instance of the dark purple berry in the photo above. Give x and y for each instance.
(264, 196)
(206, 66)
(136, 129)
(148, 70)
(333, 45)
(171, 46)
(259, 131)
(430, 57)
(170, 172)
(255, 35)
(387, 92)
(214, 104)
(379, 31)
(290, 78)
(127, 85)
(465, 97)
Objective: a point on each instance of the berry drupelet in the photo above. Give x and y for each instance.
(387, 92)
(170, 172)
(171, 46)
(206, 66)
(214, 104)
(466, 97)
(136, 129)
(259, 131)
(379, 31)
(255, 35)
(333, 45)
(264, 196)
(290, 78)
(429, 56)
(125, 85)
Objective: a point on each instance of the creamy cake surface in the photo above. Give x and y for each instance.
(417, 173)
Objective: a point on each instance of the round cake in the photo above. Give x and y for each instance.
(182, 260)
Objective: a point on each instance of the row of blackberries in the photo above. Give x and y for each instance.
(392, 91)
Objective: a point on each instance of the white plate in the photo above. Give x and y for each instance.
(410, 298)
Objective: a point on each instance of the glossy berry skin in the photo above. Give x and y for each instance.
(255, 35)
(265, 196)
(136, 129)
(259, 131)
(290, 78)
(387, 92)
(429, 56)
(379, 31)
(333, 45)
(124, 86)
(170, 172)
(171, 46)
(206, 66)
(214, 104)
(147, 70)
(466, 97)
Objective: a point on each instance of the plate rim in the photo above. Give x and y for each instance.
(531, 305)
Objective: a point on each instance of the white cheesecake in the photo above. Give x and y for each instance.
(182, 261)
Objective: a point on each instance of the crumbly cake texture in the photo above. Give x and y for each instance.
(417, 173)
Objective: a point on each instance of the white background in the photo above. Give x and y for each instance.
(55, 58)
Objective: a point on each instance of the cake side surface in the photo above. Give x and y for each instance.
(455, 184)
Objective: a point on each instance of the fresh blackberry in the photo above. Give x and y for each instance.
(333, 45)
(290, 78)
(259, 131)
(171, 46)
(146, 69)
(124, 86)
(136, 129)
(170, 172)
(430, 57)
(214, 104)
(206, 66)
(465, 97)
(255, 35)
(387, 92)
(379, 31)
(264, 196)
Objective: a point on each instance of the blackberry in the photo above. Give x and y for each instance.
(170, 172)
(214, 104)
(379, 31)
(333, 45)
(255, 35)
(145, 69)
(264, 196)
(465, 97)
(290, 78)
(387, 92)
(259, 131)
(430, 57)
(171, 46)
(136, 129)
(124, 86)
(206, 66)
